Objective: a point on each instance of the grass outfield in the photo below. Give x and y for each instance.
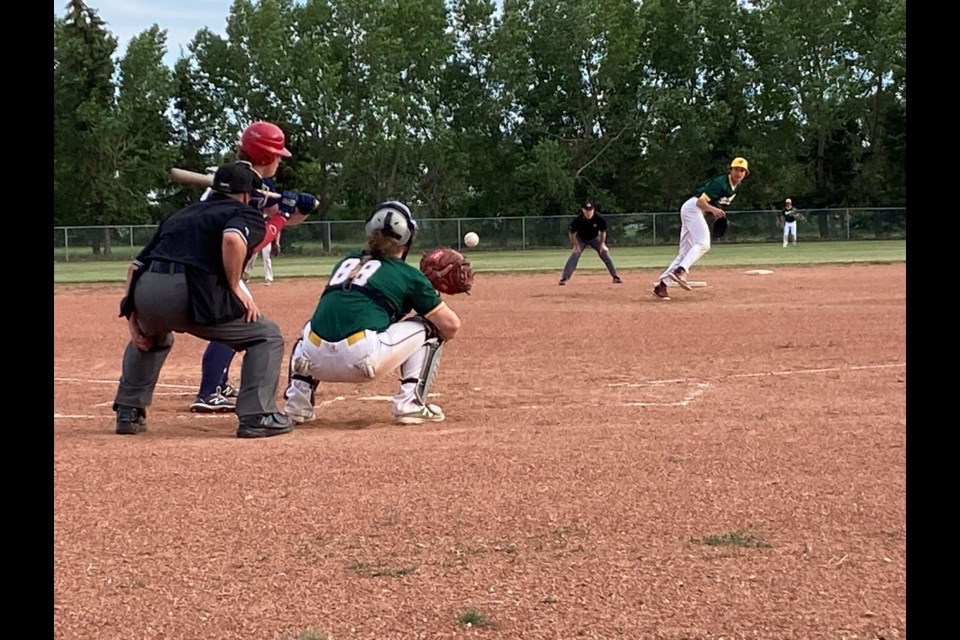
(759, 255)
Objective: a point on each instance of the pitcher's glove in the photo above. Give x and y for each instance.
(447, 270)
(719, 227)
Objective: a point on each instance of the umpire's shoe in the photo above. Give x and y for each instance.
(130, 420)
(264, 426)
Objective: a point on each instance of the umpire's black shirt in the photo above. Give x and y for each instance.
(193, 237)
(587, 230)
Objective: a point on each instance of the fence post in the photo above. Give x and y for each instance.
(459, 235)
(329, 236)
(132, 254)
(523, 233)
(847, 213)
(654, 229)
(66, 244)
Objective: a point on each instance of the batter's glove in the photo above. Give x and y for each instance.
(306, 203)
(719, 227)
(288, 201)
(447, 270)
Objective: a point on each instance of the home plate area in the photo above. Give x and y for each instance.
(662, 393)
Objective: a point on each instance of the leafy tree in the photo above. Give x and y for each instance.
(83, 96)
(113, 140)
(463, 110)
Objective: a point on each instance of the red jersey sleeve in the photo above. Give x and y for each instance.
(274, 225)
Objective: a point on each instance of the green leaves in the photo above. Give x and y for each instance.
(464, 109)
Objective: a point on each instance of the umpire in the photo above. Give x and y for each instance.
(187, 280)
(588, 229)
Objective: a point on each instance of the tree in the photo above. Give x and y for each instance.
(83, 95)
(112, 145)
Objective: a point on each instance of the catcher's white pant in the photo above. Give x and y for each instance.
(694, 239)
(788, 229)
(361, 357)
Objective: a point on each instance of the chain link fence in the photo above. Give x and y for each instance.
(318, 237)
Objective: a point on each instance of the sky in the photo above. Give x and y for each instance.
(181, 19)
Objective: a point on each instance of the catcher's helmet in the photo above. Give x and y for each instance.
(394, 220)
(263, 141)
(741, 163)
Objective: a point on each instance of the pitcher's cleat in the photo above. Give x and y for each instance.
(679, 275)
(660, 291)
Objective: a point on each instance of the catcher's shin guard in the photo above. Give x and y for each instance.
(297, 370)
(431, 361)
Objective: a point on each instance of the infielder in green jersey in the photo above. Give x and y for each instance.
(694, 231)
(376, 313)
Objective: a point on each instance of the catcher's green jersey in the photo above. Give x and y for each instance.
(370, 293)
(718, 189)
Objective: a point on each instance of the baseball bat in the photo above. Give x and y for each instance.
(183, 176)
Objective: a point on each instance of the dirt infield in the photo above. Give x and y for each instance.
(729, 464)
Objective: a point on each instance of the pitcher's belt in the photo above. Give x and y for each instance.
(351, 339)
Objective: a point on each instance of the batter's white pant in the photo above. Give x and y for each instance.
(788, 229)
(362, 357)
(694, 239)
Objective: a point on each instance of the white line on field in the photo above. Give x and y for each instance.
(88, 381)
(794, 372)
(687, 398)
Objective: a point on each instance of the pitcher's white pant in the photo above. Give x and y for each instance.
(788, 229)
(360, 359)
(694, 239)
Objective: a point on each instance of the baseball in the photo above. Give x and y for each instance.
(471, 239)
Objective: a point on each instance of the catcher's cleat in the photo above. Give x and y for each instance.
(617, 280)
(563, 282)
(229, 391)
(679, 275)
(419, 414)
(216, 402)
(301, 419)
(131, 420)
(660, 291)
(264, 426)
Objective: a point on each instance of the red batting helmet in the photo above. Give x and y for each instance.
(262, 142)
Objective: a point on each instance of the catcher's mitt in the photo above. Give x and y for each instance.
(447, 270)
(719, 227)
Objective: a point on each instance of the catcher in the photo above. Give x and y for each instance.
(363, 328)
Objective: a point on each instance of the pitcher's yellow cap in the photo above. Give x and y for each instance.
(740, 162)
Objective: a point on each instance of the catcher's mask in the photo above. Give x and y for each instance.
(394, 220)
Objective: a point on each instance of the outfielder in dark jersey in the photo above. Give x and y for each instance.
(588, 229)
(375, 314)
(694, 231)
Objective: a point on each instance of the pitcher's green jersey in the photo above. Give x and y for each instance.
(380, 292)
(718, 190)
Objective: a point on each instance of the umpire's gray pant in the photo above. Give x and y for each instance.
(162, 301)
(574, 258)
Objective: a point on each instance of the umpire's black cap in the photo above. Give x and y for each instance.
(238, 177)
(588, 205)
